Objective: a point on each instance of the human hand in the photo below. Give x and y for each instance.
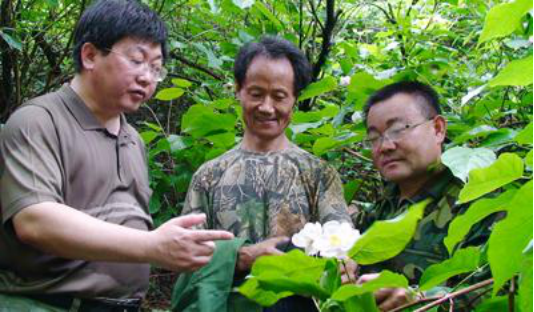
(176, 247)
(348, 269)
(248, 254)
(387, 298)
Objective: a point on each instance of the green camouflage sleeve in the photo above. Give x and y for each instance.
(197, 199)
(330, 200)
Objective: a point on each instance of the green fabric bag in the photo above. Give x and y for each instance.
(210, 288)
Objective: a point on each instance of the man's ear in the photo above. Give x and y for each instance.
(88, 55)
(440, 128)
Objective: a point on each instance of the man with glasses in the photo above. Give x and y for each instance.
(405, 133)
(75, 228)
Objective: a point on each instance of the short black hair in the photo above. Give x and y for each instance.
(429, 105)
(106, 22)
(274, 48)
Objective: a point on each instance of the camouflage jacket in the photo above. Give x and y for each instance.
(262, 195)
(427, 246)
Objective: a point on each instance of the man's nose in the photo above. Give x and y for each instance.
(386, 144)
(267, 105)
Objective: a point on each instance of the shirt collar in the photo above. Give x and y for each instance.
(85, 118)
(433, 188)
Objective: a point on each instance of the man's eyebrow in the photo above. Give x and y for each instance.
(144, 51)
(389, 122)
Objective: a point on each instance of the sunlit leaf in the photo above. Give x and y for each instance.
(169, 94)
(516, 73)
(386, 279)
(322, 86)
(507, 168)
(525, 136)
(461, 160)
(503, 19)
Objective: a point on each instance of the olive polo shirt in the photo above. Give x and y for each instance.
(53, 149)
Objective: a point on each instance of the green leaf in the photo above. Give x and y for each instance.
(386, 279)
(225, 140)
(200, 121)
(525, 285)
(463, 261)
(331, 279)
(252, 290)
(363, 303)
(499, 303)
(507, 168)
(516, 73)
(364, 83)
(461, 160)
(177, 142)
(265, 11)
(461, 225)
(181, 83)
(154, 205)
(148, 136)
(386, 239)
(525, 136)
(322, 86)
(350, 188)
(503, 19)
(282, 275)
(11, 41)
(510, 236)
(213, 61)
(169, 94)
(528, 159)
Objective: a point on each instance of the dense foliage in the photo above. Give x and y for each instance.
(477, 54)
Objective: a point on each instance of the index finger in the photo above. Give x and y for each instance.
(210, 235)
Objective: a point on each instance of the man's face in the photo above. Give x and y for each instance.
(267, 97)
(415, 149)
(124, 78)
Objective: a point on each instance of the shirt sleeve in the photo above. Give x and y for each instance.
(330, 199)
(197, 199)
(30, 162)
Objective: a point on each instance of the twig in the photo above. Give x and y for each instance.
(511, 296)
(414, 303)
(354, 153)
(455, 294)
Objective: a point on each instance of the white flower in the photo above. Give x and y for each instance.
(307, 236)
(344, 81)
(337, 239)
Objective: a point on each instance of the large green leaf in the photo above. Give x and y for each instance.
(200, 121)
(525, 136)
(498, 303)
(463, 261)
(510, 237)
(461, 225)
(516, 73)
(290, 273)
(386, 239)
(526, 289)
(528, 159)
(503, 19)
(461, 160)
(386, 279)
(508, 168)
(322, 86)
(362, 303)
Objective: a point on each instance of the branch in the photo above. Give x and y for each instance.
(199, 67)
(414, 303)
(354, 153)
(327, 34)
(456, 294)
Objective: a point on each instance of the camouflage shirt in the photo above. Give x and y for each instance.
(262, 195)
(427, 246)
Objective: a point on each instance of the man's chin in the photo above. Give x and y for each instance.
(394, 176)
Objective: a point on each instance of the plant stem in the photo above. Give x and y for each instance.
(414, 303)
(455, 294)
